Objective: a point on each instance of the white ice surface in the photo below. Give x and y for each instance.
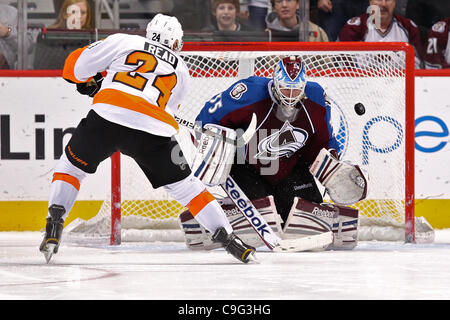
(169, 271)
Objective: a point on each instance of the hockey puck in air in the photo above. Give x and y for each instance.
(360, 109)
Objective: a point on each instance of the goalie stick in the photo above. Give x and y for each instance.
(239, 142)
(265, 232)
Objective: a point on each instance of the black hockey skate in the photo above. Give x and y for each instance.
(53, 231)
(234, 245)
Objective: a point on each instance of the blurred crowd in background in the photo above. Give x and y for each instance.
(39, 34)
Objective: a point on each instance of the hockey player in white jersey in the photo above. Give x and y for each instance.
(144, 83)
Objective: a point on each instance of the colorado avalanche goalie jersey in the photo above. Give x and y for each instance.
(287, 142)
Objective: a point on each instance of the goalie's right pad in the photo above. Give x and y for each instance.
(214, 156)
(307, 218)
(198, 238)
(344, 182)
(345, 229)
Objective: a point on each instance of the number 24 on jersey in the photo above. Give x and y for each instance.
(145, 62)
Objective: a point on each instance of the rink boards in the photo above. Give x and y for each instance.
(38, 115)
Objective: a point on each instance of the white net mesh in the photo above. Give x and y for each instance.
(375, 140)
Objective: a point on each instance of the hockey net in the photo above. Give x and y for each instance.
(381, 141)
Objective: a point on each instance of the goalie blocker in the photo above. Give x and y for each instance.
(214, 157)
(305, 219)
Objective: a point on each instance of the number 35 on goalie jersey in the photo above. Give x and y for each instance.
(144, 85)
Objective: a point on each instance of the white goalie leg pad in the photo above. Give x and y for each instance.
(198, 238)
(307, 218)
(195, 235)
(345, 229)
(242, 227)
(214, 156)
(344, 182)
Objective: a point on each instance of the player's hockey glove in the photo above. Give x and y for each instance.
(92, 87)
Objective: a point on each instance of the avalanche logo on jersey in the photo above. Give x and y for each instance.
(439, 27)
(282, 143)
(238, 90)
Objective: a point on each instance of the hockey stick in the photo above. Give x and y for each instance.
(239, 142)
(265, 232)
(252, 214)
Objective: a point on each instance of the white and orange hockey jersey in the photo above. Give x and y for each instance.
(145, 82)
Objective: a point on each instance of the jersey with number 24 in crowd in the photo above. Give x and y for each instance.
(275, 139)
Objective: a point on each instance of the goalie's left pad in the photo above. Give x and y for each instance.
(344, 182)
(198, 237)
(214, 156)
(308, 218)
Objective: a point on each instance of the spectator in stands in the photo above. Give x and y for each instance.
(225, 14)
(74, 14)
(194, 15)
(400, 7)
(425, 13)
(438, 46)
(256, 13)
(284, 17)
(390, 27)
(332, 14)
(8, 37)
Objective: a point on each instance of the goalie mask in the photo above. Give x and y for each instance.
(289, 83)
(167, 31)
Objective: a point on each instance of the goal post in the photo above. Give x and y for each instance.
(116, 207)
(381, 141)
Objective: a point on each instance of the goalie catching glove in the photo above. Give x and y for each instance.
(214, 156)
(344, 182)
